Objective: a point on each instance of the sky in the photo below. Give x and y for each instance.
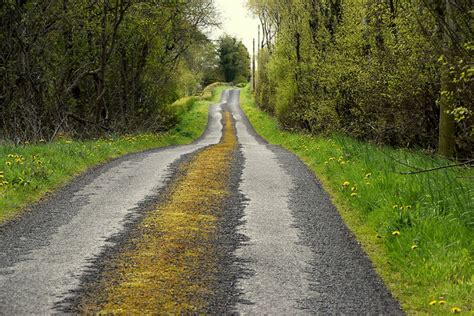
(236, 21)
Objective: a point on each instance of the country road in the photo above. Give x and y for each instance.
(251, 226)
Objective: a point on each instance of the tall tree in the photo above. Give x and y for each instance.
(234, 59)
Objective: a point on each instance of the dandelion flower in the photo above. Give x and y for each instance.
(368, 175)
(456, 310)
(442, 302)
(413, 247)
(396, 233)
(354, 189)
(353, 194)
(346, 184)
(432, 302)
(8, 163)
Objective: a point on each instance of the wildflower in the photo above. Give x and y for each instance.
(354, 189)
(8, 163)
(353, 194)
(346, 184)
(442, 302)
(413, 247)
(343, 162)
(395, 206)
(396, 233)
(367, 175)
(2, 175)
(11, 156)
(433, 302)
(408, 207)
(332, 158)
(456, 310)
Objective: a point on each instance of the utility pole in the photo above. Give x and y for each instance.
(258, 43)
(253, 66)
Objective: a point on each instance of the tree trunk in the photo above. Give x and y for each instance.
(446, 140)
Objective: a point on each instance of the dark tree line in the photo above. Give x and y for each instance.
(86, 67)
(395, 72)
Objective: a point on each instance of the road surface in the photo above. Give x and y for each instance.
(278, 245)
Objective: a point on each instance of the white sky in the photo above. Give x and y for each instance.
(236, 21)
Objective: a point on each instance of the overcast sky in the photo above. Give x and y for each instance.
(236, 21)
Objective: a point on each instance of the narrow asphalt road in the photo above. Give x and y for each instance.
(283, 248)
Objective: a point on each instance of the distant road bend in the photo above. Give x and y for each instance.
(226, 224)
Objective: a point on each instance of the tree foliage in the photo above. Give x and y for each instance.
(374, 69)
(85, 67)
(234, 59)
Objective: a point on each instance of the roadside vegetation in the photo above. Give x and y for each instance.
(28, 171)
(87, 69)
(398, 73)
(417, 228)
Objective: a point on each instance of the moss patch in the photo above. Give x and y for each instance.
(170, 264)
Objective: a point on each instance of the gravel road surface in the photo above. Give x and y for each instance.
(286, 248)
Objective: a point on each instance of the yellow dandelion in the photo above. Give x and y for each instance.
(413, 247)
(408, 206)
(8, 163)
(396, 233)
(368, 175)
(354, 189)
(456, 310)
(353, 194)
(442, 302)
(433, 302)
(346, 184)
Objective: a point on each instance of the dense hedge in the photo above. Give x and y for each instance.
(376, 70)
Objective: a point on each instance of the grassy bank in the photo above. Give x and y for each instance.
(416, 228)
(27, 172)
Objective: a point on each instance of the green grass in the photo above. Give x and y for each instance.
(433, 212)
(27, 172)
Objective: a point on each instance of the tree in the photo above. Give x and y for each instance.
(234, 59)
(371, 69)
(85, 68)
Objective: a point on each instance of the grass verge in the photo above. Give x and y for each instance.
(27, 172)
(417, 228)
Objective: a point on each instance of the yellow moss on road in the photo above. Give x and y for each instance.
(170, 267)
